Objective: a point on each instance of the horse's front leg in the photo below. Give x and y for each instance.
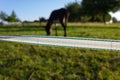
(65, 33)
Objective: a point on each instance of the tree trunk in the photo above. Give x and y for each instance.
(92, 18)
(104, 18)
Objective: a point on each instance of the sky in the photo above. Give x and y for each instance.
(116, 15)
(31, 10)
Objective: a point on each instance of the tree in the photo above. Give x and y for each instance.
(114, 20)
(3, 16)
(12, 17)
(74, 9)
(89, 8)
(95, 7)
(42, 19)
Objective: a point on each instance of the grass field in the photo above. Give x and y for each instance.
(32, 62)
(111, 31)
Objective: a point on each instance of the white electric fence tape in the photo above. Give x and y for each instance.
(66, 42)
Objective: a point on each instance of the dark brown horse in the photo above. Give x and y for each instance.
(60, 15)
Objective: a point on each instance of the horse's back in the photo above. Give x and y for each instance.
(60, 13)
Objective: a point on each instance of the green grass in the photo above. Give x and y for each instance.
(32, 62)
(73, 30)
(28, 62)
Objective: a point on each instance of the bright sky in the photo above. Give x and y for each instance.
(116, 15)
(33, 9)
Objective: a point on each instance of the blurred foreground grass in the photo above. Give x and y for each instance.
(31, 62)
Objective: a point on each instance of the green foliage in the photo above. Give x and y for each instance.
(42, 19)
(95, 7)
(12, 17)
(3, 16)
(92, 10)
(99, 18)
(85, 18)
(74, 9)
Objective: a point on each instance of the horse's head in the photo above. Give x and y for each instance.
(48, 30)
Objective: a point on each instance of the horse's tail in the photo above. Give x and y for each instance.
(66, 17)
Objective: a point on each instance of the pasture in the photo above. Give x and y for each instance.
(87, 30)
(32, 62)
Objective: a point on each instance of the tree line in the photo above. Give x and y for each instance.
(10, 18)
(92, 10)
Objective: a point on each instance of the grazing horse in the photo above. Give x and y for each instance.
(60, 15)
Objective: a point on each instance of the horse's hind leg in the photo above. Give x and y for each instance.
(64, 26)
